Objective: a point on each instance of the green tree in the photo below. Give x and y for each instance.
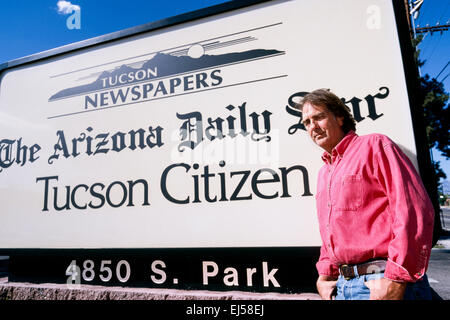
(433, 98)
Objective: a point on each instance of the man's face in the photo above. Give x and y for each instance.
(322, 126)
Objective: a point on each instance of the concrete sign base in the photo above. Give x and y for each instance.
(49, 291)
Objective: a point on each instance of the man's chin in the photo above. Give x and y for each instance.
(322, 143)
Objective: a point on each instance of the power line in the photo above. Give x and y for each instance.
(448, 74)
(443, 69)
(412, 9)
(434, 48)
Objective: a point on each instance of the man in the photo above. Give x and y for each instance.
(375, 217)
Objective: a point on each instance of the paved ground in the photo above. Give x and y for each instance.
(439, 266)
(438, 272)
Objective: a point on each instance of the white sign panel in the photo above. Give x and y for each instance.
(185, 136)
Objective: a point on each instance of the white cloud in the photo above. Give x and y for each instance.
(66, 7)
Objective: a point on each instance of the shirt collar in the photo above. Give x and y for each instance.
(340, 148)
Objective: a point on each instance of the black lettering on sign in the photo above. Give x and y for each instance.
(96, 195)
(104, 142)
(234, 186)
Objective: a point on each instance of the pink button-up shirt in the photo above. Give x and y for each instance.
(371, 204)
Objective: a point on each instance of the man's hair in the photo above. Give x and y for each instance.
(326, 98)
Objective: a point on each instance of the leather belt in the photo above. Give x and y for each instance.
(349, 271)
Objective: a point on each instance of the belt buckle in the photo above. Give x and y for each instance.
(345, 274)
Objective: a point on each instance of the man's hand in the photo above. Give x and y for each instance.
(325, 287)
(385, 289)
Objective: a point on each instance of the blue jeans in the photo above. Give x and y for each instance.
(355, 289)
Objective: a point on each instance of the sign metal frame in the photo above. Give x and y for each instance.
(52, 260)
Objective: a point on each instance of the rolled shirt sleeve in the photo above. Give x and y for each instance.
(411, 213)
(324, 266)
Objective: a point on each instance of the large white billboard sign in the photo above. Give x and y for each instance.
(185, 136)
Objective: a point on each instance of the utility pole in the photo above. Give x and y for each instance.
(408, 16)
(436, 28)
(412, 12)
(412, 9)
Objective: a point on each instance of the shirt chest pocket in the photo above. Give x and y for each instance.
(349, 193)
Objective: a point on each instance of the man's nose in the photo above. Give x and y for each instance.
(314, 125)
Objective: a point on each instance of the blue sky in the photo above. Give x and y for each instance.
(31, 26)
